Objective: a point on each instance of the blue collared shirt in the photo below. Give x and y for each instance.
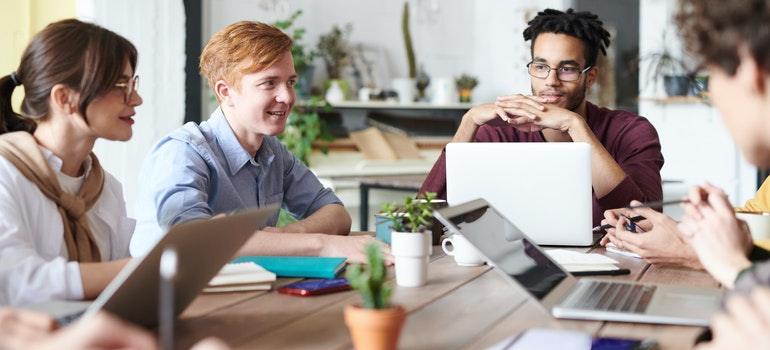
(198, 171)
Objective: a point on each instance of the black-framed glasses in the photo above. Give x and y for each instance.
(128, 88)
(564, 73)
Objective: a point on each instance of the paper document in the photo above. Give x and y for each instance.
(568, 257)
(613, 248)
(242, 273)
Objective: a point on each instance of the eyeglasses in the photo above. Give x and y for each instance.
(563, 73)
(128, 88)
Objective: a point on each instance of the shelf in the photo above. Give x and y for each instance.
(670, 100)
(423, 142)
(374, 105)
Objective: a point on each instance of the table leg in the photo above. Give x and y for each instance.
(363, 211)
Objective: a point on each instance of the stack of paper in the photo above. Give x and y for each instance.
(239, 277)
(576, 261)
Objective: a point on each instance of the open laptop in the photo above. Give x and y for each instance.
(202, 248)
(545, 188)
(523, 263)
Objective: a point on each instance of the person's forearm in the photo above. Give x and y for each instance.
(96, 276)
(331, 219)
(467, 130)
(274, 243)
(606, 174)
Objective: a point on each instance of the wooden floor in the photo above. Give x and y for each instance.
(459, 308)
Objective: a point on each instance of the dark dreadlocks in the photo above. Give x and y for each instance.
(583, 25)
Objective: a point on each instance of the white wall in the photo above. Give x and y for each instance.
(450, 37)
(157, 29)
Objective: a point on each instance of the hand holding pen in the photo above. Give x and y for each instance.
(629, 214)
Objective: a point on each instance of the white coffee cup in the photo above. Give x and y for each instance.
(464, 252)
(759, 225)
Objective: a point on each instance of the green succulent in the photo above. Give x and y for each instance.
(415, 215)
(369, 280)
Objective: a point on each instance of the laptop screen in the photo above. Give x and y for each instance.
(504, 244)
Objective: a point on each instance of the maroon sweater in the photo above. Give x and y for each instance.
(630, 139)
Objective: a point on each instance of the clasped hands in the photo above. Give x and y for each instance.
(524, 112)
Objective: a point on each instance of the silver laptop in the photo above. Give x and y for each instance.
(202, 248)
(545, 188)
(513, 254)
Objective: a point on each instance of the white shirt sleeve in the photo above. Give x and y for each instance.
(25, 276)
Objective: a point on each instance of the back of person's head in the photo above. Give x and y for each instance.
(716, 31)
(82, 56)
(583, 25)
(242, 48)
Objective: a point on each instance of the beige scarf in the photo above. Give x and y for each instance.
(21, 149)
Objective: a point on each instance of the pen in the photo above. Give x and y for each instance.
(605, 227)
(635, 219)
(658, 204)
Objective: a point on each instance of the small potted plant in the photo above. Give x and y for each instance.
(374, 324)
(334, 50)
(465, 84)
(410, 238)
(665, 65)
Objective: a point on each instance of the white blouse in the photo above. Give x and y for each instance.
(33, 257)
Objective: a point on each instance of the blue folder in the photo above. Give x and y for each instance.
(297, 266)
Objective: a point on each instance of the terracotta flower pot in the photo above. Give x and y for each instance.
(465, 95)
(374, 329)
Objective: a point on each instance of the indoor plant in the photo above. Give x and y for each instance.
(303, 58)
(334, 50)
(673, 71)
(465, 84)
(410, 238)
(374, 324)
(405, 86)
(303, 127)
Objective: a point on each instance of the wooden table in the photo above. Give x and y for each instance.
(459, 308)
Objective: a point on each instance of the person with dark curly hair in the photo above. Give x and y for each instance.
(626, 158)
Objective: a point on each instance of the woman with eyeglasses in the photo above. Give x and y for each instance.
(64, 233)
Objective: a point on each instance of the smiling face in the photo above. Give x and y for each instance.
(110, 116)
(568, 53)
(263, 100)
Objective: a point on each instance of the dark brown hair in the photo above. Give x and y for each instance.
(714, 30)
(82, 56)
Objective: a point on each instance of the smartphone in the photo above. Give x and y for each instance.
(315, 287)
(541, 338)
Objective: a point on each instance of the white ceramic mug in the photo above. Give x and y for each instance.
(464, 252)
(759, 225)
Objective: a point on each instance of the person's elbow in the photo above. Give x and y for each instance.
(343, 220)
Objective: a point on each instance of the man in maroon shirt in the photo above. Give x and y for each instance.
(625, 151)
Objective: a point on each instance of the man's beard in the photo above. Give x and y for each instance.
(573, 100)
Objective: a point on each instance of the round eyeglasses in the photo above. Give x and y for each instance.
(128, 87)
(563, 73)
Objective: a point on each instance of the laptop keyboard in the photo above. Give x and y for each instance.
(610, 296)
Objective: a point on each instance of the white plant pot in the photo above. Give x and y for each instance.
(405, 88)
(412, 254)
